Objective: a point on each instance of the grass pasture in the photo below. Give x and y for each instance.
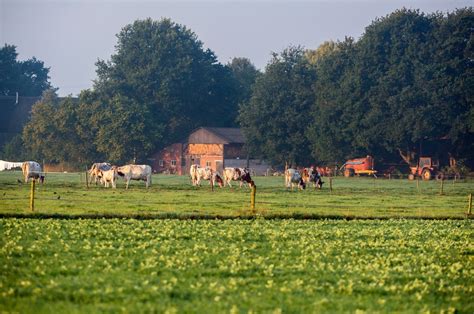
(276, 260)
(173, 196)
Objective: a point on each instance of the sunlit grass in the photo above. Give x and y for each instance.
(67, 194)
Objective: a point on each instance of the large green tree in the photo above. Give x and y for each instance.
(161, 73)
(408, 80)
(275, 119)
(51, 133)
(28, 78)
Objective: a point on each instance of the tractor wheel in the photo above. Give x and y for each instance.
(426, 175)
(411, 177)
(348, 173)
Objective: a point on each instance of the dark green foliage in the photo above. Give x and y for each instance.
(245, 73)
(407, 80)
(163, 70)
(28, 78)
(276, 117)
(51, 134)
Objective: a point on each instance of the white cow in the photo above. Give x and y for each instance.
(95, 171)
(237, 174)
(199, 173)
(293, 177)
(135, 172)
(109, 176)
(31, 169)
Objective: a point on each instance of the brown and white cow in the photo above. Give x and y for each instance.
(109, 176)
(96, 170)
(135, 172)
(293, 177)
(199, 173)
(237, 174)
(32, 169)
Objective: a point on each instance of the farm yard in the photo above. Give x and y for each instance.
(294, 253)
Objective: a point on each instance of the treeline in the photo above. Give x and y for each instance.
(408, 79)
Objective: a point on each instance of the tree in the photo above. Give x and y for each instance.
(245, 73)
(275, 119)
(334, 113)
(28, 78)
(51, 132)
(162, 72)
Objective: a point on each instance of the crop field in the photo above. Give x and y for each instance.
(93, 249)
(203, 266)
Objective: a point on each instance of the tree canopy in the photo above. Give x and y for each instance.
(28, 78)
(275, 119)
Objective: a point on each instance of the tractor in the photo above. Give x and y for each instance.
(359, 166)
(427, 168)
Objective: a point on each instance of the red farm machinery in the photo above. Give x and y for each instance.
(359, 166)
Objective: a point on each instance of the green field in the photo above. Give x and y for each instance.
(203, 266)
(173, 196)
(297, 252)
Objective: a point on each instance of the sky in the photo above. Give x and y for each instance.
(69, 36)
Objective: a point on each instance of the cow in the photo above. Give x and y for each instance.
(96, 170)
(32, 169)
(237, 174)
(109, 176)
(135, 172)
(293, 177)
(199, 173)
(315, 177)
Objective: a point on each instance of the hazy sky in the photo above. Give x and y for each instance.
(70, 35)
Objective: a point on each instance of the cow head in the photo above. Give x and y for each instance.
(219, 180)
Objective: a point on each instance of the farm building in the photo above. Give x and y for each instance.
(212, 147)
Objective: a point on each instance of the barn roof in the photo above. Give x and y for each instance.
(231, 135)
(207, 135)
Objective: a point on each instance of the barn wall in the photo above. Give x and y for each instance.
(202, 154)
(172, 152)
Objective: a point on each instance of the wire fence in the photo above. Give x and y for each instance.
(362, 197)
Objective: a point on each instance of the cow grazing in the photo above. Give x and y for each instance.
(237, 174)
(109, 176)
(293, 177)
(95, 172)
(315, 178)
(32, 169)
(199, 173)
(135, 172)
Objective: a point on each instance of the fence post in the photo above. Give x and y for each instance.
(418, 184)
(330, 184)
(469, 207)
(252, 196)
(32, 195)
(87, 179)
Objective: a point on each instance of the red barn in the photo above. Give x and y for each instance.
(213, 147)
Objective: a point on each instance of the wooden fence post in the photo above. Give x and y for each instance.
(252, 196)
(469, 207)
(32, 195)
(87, 179)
